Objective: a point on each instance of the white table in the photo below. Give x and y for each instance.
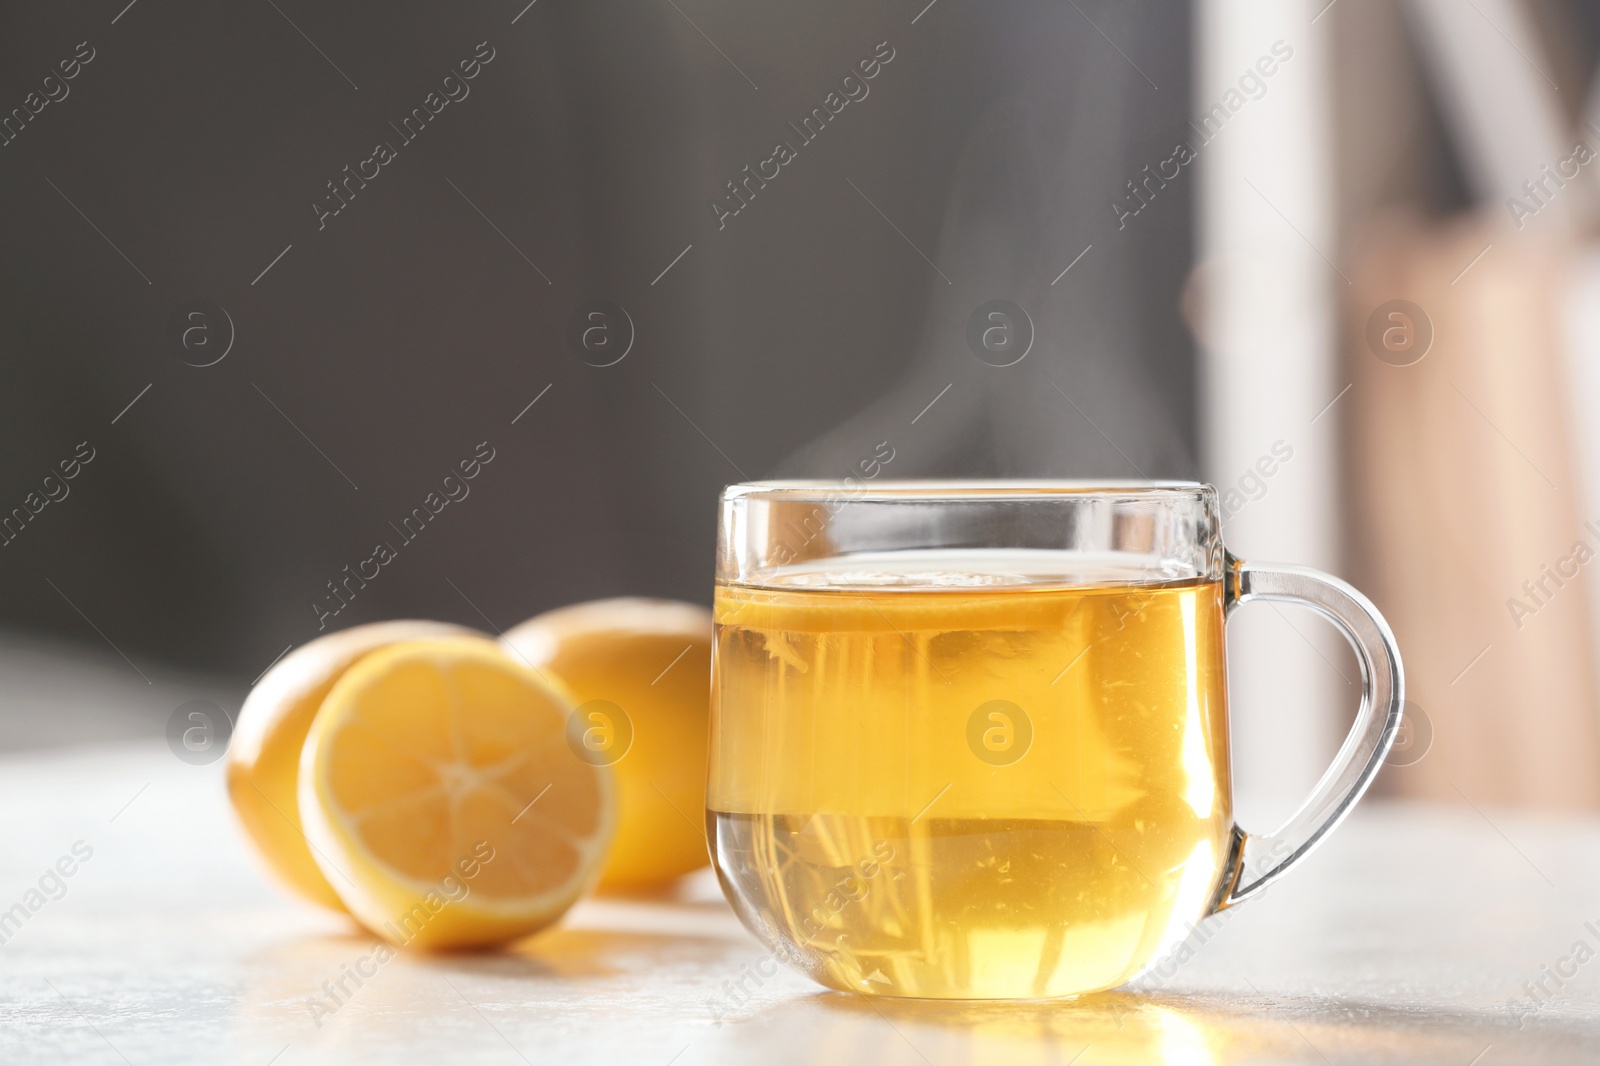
(1402, 940)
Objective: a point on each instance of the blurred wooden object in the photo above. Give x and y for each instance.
(1464, 475)
(1465, 494)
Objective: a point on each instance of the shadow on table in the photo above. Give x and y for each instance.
(565, 952)
(1190, 1030)
(1119, 1028)
(698, 890)
(346, 994)
(560, 954)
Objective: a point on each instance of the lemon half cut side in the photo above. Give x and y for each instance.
(442, 800)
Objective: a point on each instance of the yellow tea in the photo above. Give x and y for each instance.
(964, 780)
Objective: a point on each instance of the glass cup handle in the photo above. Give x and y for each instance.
(1258, 860)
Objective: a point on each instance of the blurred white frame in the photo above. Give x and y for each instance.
(1268, 372)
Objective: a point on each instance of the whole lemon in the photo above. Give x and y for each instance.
(639, 671)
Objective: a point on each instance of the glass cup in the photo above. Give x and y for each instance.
(969, 740)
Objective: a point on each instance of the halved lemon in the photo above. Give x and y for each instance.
(264, 756)
(640, 670)
(442, 800)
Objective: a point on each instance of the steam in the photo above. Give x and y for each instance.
(1034, 188)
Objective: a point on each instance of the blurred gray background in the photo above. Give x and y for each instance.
(425, 317)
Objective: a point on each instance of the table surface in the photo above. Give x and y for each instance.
(1415, 935)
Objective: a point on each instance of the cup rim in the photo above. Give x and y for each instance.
(932, 489)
